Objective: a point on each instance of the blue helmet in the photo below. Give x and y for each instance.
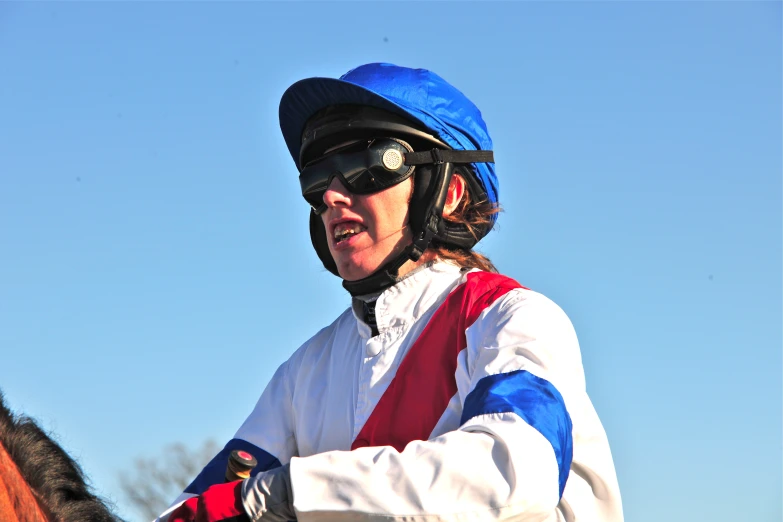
(415, 94)
(442, 127)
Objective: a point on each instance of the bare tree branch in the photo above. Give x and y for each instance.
(155, 482)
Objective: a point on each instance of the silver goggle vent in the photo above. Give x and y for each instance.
(392, 159)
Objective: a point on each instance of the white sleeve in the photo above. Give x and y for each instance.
(508, 457)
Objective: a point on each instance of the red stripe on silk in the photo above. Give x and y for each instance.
(425, 383)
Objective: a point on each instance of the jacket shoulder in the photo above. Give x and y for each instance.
(484, 288)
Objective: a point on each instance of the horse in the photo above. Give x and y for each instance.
(39, 481)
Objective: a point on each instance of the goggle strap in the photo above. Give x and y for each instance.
(421, 242)
(440, 156)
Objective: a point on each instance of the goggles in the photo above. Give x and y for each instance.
(363, 167)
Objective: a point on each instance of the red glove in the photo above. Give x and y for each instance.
(221, 502)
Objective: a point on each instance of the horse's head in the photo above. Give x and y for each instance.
(39, 482)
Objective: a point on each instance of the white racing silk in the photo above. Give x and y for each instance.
(470, 404)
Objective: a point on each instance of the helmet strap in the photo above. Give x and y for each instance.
(382, 279)
(430, 223)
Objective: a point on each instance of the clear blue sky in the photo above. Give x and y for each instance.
(156, 266)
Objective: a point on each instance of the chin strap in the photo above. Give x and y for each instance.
(382, 279)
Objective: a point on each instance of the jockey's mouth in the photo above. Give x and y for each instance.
(346, 230)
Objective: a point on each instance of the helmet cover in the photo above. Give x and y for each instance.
(415, 94)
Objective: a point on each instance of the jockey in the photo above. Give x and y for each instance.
(446, 391)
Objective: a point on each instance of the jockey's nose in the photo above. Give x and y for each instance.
(337, 195)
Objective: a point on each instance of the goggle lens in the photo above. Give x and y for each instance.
(364, 168)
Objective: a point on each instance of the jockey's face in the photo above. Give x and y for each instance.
(366, 231)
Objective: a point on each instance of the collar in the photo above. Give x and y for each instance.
(408, 299)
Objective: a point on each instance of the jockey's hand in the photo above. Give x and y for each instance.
(267, 497)
(221, 502)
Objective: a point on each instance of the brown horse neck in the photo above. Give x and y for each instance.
(17, 500)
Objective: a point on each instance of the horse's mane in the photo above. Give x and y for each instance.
(55, 478)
